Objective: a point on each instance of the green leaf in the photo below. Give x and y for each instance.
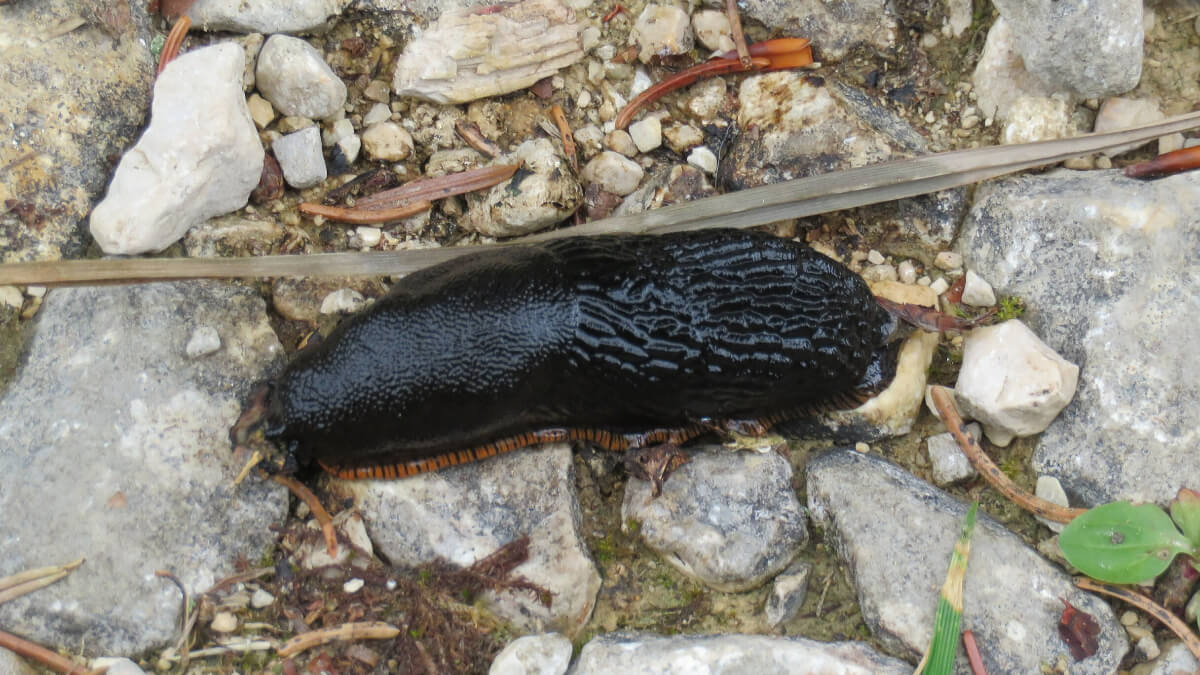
(1185, 509)
(1121, 543)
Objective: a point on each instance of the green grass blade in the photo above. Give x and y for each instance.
(950, 603)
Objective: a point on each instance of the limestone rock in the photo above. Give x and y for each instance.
(1000, 77)
(467, 54)
(264, 16)
(661, 30)
(613, 173)
(545, 654)
(541, 194)
(294, 77)
(200, 157)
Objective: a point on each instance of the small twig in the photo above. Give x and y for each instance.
(42, 655)
(612, 14)
(469, 132)
(564, 131)
(347, 632)
(19, 584)
(1148, 606)
(739, 37)
(240, 578)
(305, 495)
(364, 216)
(231, 648)
(988, 469)
(682, 79)
(174, 40)
(973, 655)
(188, 618)
(1176, 160)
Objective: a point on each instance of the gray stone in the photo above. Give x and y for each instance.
(1122, 113)
(1176, 659)
(204, 341)
(1091, 49)
(977, 292)
(794, 126)
(1000, 77)
(1012, 382)
(788, 592)
(541, 194)
(200, 157)
(1011, 598)
(728, 519)
(465, 513)
(69, 100)
(132, 440)
(1108, 268)
(948, 462)
(300, 158)
(646, 654)
(294, 77)
(264, 16)
(841, 26)
(545, 654)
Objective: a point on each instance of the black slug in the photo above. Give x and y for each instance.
(623, 341)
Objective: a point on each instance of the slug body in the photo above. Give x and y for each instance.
(620, 340)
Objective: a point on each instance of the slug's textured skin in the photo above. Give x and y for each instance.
(620, 334)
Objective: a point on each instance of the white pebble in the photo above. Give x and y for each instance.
(948, 260)
(702, 158)
(613, 173)
(11, 297)
(390, 584)
(261, 598)
(1147, 648)
(35, 291)
(947, 460)
(350, 146)
(939, 286)
(924, 281)
(261, 110)
(584, 100)
(224, 622)
(370, 236)
(875, 257)
(646, 133)
(204, 341)
(343, 300)
(662, 30)
(641, 82)
(293, 76)
(1051, 490)
(713, 30)
(300, 158)
(880, 273)
(907, 272)
(862, 447)
(337, 131)
(387, 141)
(977, 292)
(378, 113)
(353, 586)
(619, 140)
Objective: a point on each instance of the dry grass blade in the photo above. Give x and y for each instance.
(1148, 606)
(362, 216)
(439, 187)
(988, 469)
(348, 632)
(19, 584)
(36, 652)
(758, 206)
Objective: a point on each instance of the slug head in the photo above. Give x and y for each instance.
(248, 436)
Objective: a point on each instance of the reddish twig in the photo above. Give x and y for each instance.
(361, 216)
(739, 37)
(469, 132)
(1148, 606)
(988, 469)
(174, 40)
(612, 14)
(973, 655)
(364, 630)
(42, 655)
(564, 130)
(305, 495)
(1171, 162)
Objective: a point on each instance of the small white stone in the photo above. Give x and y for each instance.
(35, 291)
(584, 100)
(702, 158)
(387, 141)
(350, 146)
(1051, 490)
(939, 286)
(204, 341)
(261, 110)
(589, 140)
(907, 272)
(370, 236)
(880, 273)
(116, 666)
(337, 131)
(261, 599)
(948, 462)
(378, 113)
(590, 37)
(613, 173)
(875, 257)
(948, 260)
(661, 30)
(862, 447)
(1121, 113)
(224, 622)
(925, 281)
(713, 30)
(619, 140)
(354, 585)
(10, 296)
(1147, 649)
(787, 593)
(343, 300)
(977, 292)
(1036, 118)
(682, 137)
(544, 654)
(300, 158)
(1012, 382)
(646, 133)
(1170, 143)
(641, 82)
(293, 76)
